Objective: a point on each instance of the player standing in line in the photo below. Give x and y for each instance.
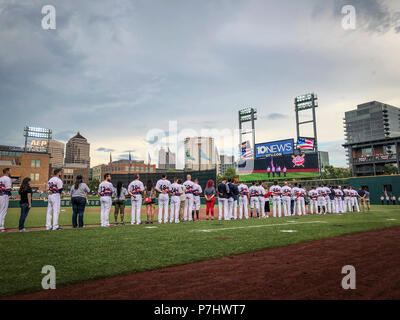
(327, 192)
(321, 199)
(286, 195)
(354, 196)
(176, 192)
(276, 199)
(5, 193)
(341, 202)
(55, 188)
(243, 201)
(301, 201)
(162, 187)
(188, 185)
(295, 197)
(347, 200)
(197, 191)
(313, 195)
(135, 189)
(261, 199)
(106, 189)
(254, 199)
(232, 201)
(223, 196)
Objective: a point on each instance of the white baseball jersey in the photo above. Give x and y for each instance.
(55, 185)
(295, 192)
(303, 192)
(176, 189)
(286, 191)
(106, 189)
(354, 193)
(320, 191)
(5, 185)
(254, 192)
(338, 193)
(313, 194)
(261, 191)
(197, 190)
(243, 189)
(188, 184)
(275, 190)
(327, 191)
(136, 187)
(346, 192)
(163, 185)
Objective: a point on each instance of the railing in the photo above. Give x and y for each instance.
(380, 157)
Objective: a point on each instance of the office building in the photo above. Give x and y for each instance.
(78, 150)
(200, 153)
(166, 159)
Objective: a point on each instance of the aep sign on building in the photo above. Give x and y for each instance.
(275, 148)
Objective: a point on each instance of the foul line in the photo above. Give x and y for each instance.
(258, 226)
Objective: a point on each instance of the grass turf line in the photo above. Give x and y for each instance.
(94, 253)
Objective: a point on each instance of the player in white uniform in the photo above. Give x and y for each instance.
(243, 201)
(135, 189)
(321, 199)
(276, 198)
(347, 200)
(254, 199)
(286, 197)
(313, 195)
(337, 207)
(327, 192)
(163, 185)
(189, 201)
(354, 197)
(197, 191)
(55, 188)
(176, 192)
(261, 199)
(106, 189)
(223, 196)
(295, 197)
(5, 193)
(301, 202)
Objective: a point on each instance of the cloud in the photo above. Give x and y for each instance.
(102, 149)
(275, 116)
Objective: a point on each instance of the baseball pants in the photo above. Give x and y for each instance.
(175, 204)
(232, 204)
(254, 202)
(163, 207)
(223, 209)
(313, 204)
(262, 206)
(301, 206)
(196, 202)
(286, 205)
(348, 204)
(355, 203)
(3, 209)
(105, 204)
(276, 202)
(321, 204)
(243, 207)
(136, 209)
(329, 204)
(53, 211)
(187, 212)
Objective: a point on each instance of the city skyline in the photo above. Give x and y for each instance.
(99, 71)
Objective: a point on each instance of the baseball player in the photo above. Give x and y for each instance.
(176, 192)
(243, 201)
(197, 191)
(5, 193)
(295, 197)
(354, 199)
(55, 188)
(286, 195)
(232, 200)
(135, 189)
(162, 187)
(337, 206)
(301, 202)
(321, 199)
(254, 199)
(261, 199)
(188, 185)
(276, 198)
(341, 200)
(327, 192)
(106, 189)
(313, 195)
(223, 196)
(347, 200)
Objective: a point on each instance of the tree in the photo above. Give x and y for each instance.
(230, 172)
(390, 169)
(330, 172)
(94, 185)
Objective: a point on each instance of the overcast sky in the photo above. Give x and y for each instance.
(115, 70)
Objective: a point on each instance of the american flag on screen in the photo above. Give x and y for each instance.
(246, 150)
(304, 143)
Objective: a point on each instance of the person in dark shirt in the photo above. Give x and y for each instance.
(25, 203)
(223, 196)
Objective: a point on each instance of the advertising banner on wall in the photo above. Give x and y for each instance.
(274, 148)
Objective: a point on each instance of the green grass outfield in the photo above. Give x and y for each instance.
(93, 253)
(264, 176)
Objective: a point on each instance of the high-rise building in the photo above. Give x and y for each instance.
(166, 159)
(372, 133)
(225, 162)
(56, 150)
(77, 151)
(200, 153)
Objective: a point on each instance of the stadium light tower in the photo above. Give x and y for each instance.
(247, 115)
(302, 103)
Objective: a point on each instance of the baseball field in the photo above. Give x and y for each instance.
(91, 253)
